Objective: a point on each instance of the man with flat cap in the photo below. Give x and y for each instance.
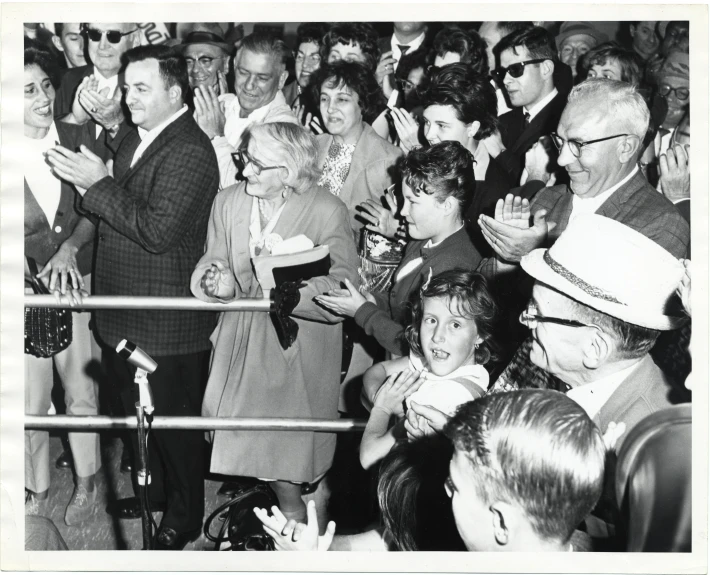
(207, 56)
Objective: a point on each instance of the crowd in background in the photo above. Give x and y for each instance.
(506, 207)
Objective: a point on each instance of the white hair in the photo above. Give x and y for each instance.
(622, 103)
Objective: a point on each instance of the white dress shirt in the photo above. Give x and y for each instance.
(148, 136)
(45, 186)
(591, 205)
(537, 108)
(413, 45)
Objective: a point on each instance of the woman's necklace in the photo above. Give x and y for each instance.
(262, 209)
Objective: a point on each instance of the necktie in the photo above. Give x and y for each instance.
(527, 119)
(403, 49)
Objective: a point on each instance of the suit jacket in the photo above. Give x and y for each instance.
(517, 139)
(645, 391)
(42, 240)
(373, 169)
(636, 204)
(153, 224)
(386, 320)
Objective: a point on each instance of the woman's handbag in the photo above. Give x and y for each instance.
(242, 529)
(47, 331)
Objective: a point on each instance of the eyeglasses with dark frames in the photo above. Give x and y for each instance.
(242, 159)
(681, 93)
(515, 70)
(204, 61)
(113, 36)
(530, 317)
(575, 146)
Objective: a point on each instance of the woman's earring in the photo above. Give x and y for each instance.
(475, 345)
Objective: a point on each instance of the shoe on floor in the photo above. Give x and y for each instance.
(130, 508)
(64, 461)
(34, 506)
(81, 505)
(167, 539)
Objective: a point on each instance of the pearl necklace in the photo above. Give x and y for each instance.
(262, 209)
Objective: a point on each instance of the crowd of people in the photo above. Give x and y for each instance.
(506, 208)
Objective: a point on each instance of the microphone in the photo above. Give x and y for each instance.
(136, 356)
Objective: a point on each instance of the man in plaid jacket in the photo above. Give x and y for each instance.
(152, 215)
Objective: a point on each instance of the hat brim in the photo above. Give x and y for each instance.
(600, 37)
(535, 266)
(228, 48)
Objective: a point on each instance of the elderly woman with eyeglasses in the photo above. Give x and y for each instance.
(251, 374)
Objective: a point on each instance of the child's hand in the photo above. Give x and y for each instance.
(395, 388)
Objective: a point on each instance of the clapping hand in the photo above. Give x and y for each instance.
(538, 160)
(510, 234)
(424, 420)
(288, 535)
(345, 301)
(675, 173)
(396, 388)
(218, 282)
(104, 110)
(381, 217)
(83, 168)
(307, 119)
(209, 112)
(407, 129)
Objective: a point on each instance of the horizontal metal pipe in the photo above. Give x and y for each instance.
(150, 302)
(202, 423)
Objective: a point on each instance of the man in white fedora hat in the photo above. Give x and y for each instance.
(595, 313)
(596, 310)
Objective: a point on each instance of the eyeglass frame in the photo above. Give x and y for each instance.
(210, 58)
(87, 31)
(498, 71)
(537, 318)
(579, 145)
(672, 90)
(243, 157)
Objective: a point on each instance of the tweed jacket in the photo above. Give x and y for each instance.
(152, 229)
(635, 204)
(386, 320)
(42, 237)
(373, 169)
(517, 139)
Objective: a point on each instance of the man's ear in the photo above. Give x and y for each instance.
(175, 93)
(473, 128)
(547, 68)
(57, 41)
(449, 205)
(597, 349)
(628, 149)
(501, 517)
(282, 79)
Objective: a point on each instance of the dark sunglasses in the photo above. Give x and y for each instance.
(113, 36)
(515, 70)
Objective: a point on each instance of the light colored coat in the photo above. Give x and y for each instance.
(250, 374)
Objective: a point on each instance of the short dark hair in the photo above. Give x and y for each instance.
(466, 43)
(412, 61)
(536, 449)
(58, 27)
(632, 341)
(470, 94)
(536, 40)
(37, 54)
(360, 33)
(262, 43)
(358, 79)
(416, 511)
(442, 170)
(510, 27)
(171, 65)
(628, 60)
(470, 297)
(311, 32)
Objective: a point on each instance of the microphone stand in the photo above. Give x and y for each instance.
(144, 406)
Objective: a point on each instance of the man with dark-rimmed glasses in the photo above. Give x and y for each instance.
(526, 63)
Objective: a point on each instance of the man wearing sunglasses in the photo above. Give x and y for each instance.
(603, 294)
(526, 71)
(105, 44)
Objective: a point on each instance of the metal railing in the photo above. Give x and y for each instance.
(151, 302)
(93, 422)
